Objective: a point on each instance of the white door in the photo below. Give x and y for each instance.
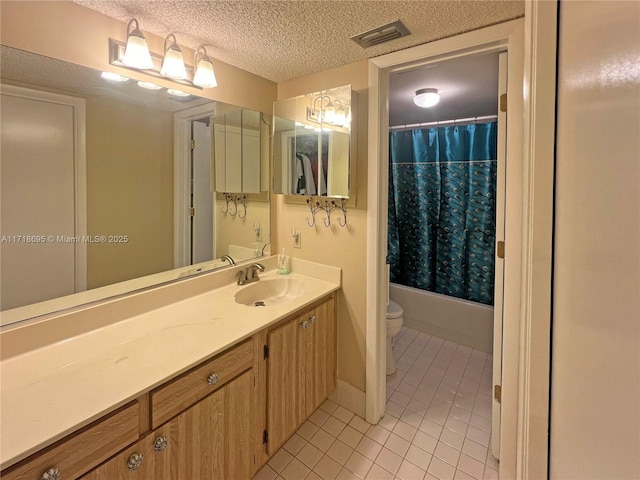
(499, 257)
(38, 198)
(202, 246)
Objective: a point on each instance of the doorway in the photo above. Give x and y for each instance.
(505, 37)
(194, 202)
(446, 207)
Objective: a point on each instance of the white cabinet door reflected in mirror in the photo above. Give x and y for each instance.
(312, 144)
(236, 152)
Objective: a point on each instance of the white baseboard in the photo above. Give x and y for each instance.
(350, 397)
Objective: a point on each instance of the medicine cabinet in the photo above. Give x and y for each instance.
(312, 145)
(236, 151)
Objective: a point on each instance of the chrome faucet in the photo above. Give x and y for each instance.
(249, 275)
(228, 259)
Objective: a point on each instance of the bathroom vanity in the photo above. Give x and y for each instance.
(177, 391)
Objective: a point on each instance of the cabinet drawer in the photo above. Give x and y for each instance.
(171, 399)
(83, 450)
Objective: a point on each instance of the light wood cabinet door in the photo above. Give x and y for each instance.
(212, 440)
(285, 382)
(324, 353)
(301, 370)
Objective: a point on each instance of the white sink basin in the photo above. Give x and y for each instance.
(265, 293)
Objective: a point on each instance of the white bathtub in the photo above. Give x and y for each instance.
(462, 321)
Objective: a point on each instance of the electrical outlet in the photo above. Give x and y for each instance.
(297, 241)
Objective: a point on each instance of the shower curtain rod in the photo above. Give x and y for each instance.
(458, 121)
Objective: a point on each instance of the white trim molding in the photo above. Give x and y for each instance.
(181, 179)
(539, 90)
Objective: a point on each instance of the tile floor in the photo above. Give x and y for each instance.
(436, 426)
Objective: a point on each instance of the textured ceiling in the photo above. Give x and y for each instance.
(281, 40)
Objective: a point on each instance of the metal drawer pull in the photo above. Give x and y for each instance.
(212, 379)
(305, 324)
(52, 474)
(160, 444)
(313, 319)
(135, 461)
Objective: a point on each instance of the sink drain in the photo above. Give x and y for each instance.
(259, 304)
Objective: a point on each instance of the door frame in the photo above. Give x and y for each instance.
(181, 181)
(528, 225)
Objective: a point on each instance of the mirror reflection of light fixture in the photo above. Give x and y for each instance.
(136, 52)
(204, 76)
(173, 63)
(149, 85)
(114, 77)
(329, 114)
(426, 97)
(177, 93)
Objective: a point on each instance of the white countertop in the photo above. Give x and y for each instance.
(49, 392)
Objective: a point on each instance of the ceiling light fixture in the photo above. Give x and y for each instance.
(426, 97)
(204, 76)
(173, 63)
(136, 52)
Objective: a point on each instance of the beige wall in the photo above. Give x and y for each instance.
(341, 247)
(595, 391)
(129, 190)
(233, 230)
(73, 33)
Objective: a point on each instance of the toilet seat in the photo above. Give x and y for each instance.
(394, 310)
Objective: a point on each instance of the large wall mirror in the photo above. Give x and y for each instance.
(312, 144)
(108, 187)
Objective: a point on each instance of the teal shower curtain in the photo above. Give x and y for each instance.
(442, 209)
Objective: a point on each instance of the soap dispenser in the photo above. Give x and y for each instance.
(283, 264)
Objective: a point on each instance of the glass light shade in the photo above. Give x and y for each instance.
(136, 52)
(329, 113)
(173, 64)
(341, 116)
(426, 97)
(205, 77)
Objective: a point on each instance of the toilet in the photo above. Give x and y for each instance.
(394, 324)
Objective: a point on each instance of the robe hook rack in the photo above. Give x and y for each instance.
(235, 200)
(327, 206)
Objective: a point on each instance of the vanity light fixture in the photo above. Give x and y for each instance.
(204, 76)
(426, 97)
(136, 52)
(329, 114)
(173, 63)
(135, 55)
